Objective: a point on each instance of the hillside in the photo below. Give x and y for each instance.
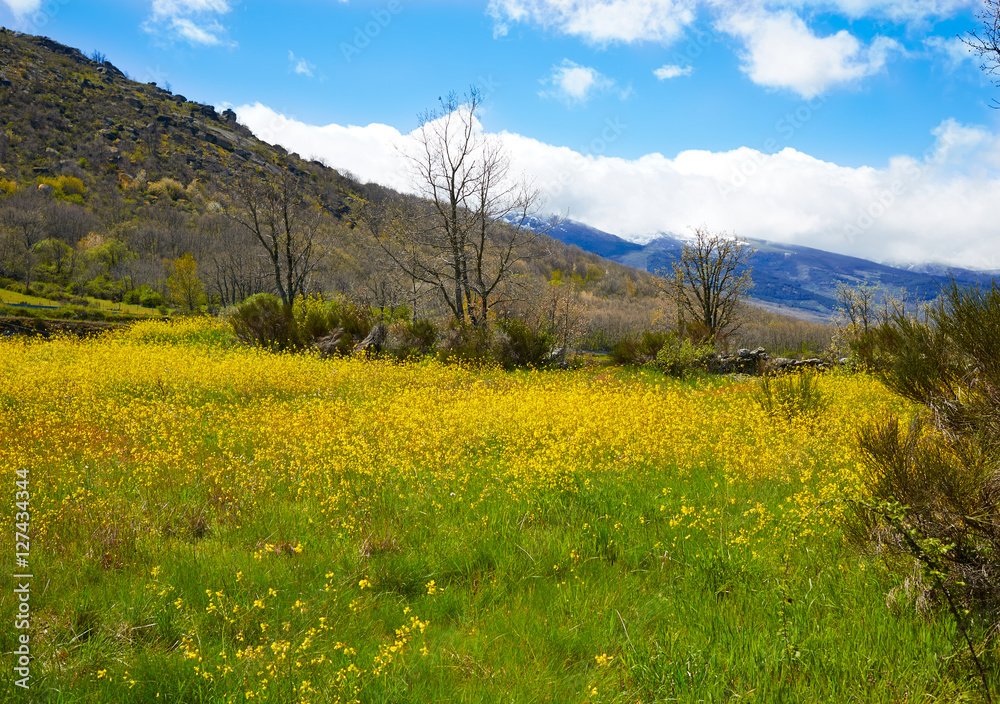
(106, 183)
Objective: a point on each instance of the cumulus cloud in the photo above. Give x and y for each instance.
(599, 21)
(782, 52)
(668, 71)
(193, 21)
(931, 207)
(575, 84)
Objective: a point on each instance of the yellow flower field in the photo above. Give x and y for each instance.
(215, 523)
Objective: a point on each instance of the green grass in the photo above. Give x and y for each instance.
(8, 297)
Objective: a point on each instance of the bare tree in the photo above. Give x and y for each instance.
(858, 306)
(23, 224)
(985, 41)
(271, 208)
(237, 265)
(466, 241)
(710, 280)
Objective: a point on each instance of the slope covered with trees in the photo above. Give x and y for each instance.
(117, 190)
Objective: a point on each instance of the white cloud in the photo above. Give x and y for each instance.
(952, 49)
(899, 11)
(173, 8)
(603, 22)
(935, 207)
(575, 84)
(300, 65)
(193, 21)
(20, 8)
(599, 21)
(782, 52)
(668, 71)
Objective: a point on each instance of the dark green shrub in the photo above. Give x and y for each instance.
(144, 296)
(151, 299)
(105, 288)
(624, 352)
(596, 341)
(637, 351)
(262, 320)
(339, 323)
(517, 345)
(934, 488)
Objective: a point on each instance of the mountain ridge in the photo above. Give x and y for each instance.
(794, 277)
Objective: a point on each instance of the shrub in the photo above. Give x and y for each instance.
(167, 188)
(339, 322)
(262, 320)
(105, 288)
(144, 296)
(11, 285)
(517, 345)
(464, 344)
(411, 340)
(641, 350)
(790, 395)
(935, 486)
(150, 298)
(66, 187)
(680, 357)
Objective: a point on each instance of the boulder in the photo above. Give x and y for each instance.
(328, 345)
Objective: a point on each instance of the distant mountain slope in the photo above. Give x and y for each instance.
(791, 276)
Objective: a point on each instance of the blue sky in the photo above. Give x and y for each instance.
(860, 126)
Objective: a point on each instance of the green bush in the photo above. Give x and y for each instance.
(632, 351)
(465, 344)
(105, 288)
(47, 290)
(934, 488)
(411, 340)
(11, 285)
(680, 357)
(144, 296)
(339, 322)
(263, 321)
(517, 345)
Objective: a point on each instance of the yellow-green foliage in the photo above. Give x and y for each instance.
(65, 186)
(167, 188)
(258, 526)
(7, 187)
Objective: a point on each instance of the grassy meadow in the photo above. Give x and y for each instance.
(212, 523)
